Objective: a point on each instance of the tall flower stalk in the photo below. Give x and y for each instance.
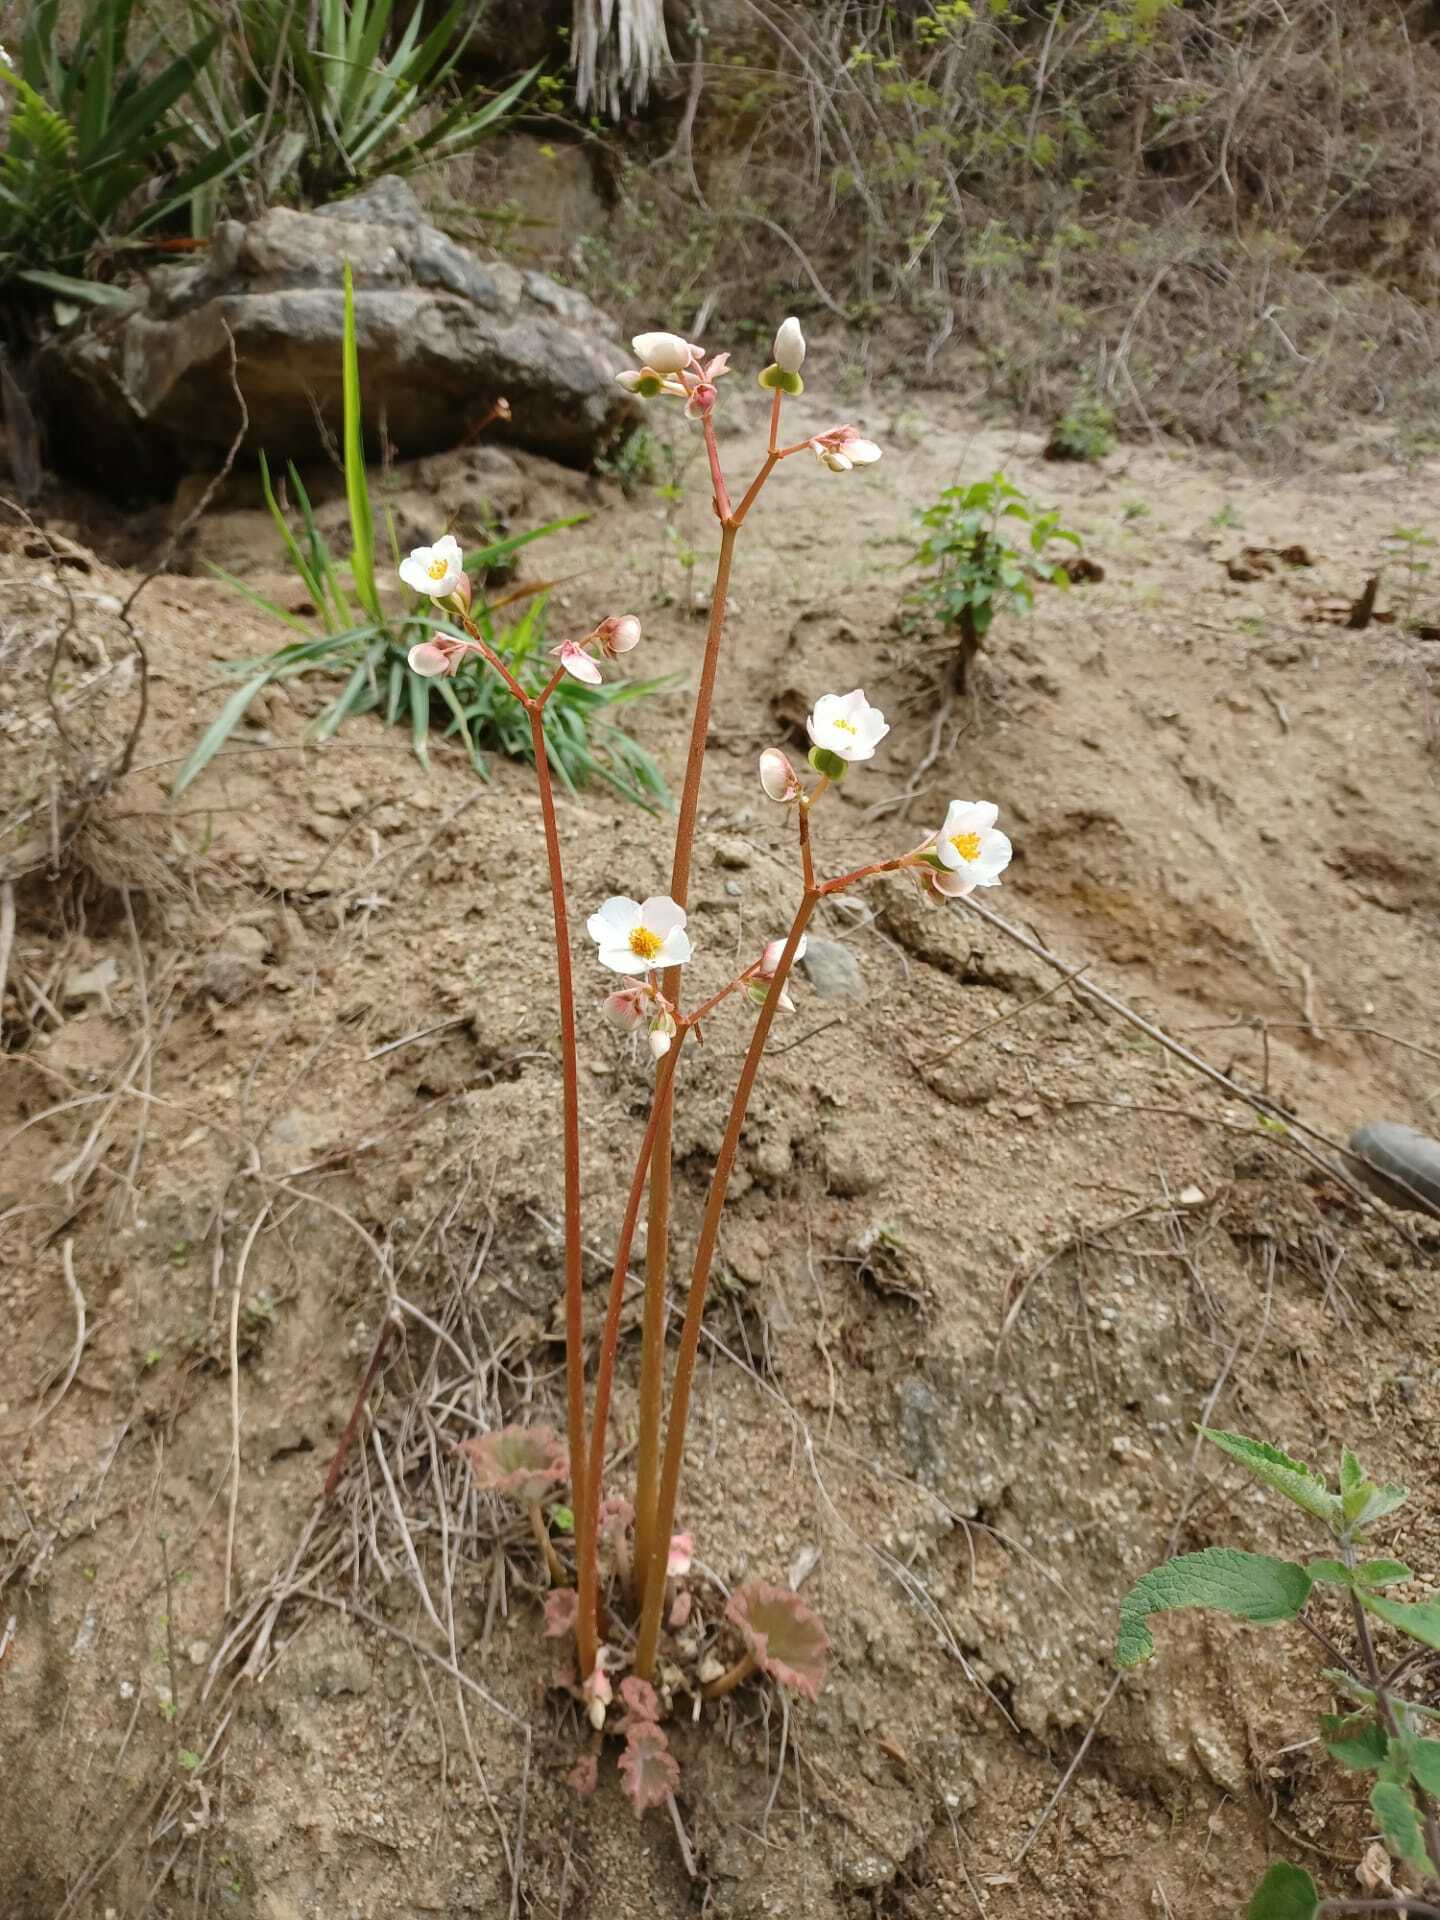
(648, 942)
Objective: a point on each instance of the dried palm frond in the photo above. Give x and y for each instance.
(617, 49)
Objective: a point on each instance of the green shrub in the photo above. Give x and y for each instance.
(974, 570)
(1085, 431)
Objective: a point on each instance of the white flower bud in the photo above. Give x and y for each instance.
(597, 1715)
(789, 348)
(659, 1043)
(662, 352)
(777, 776)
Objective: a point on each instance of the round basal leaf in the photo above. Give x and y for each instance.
(785, 1636)
(527, 1463)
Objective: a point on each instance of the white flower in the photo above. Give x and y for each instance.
(436, 570)
(846, 725)
(789, 347)
(662, 352)
(6, 58)
(632, 935)
(971, 848)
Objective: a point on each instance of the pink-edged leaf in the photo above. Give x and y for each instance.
(641, 1700)
(584, 1776)
(681, 1610)
(649, 1768)
(562, 1609)
(527, 1463)
(784, 1634)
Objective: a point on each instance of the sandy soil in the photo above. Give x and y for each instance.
(990, 1255)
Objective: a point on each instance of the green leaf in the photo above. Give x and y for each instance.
(830, 764)
(1333, 1572)
(1394, 1807)
(1248, 1586)
(69, 287)
(1425, 1764)
(189, 1759)
(357, 487)
(1356, 1740)
(1382, 1573)
(1379, 1502)
(1286, 1893)
(218, 732)
(1352, 1474)
(1421, 1622)
(1298, 1483)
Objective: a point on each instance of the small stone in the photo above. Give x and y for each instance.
(865, 1871)
(833, 971)
(233, 969)
(921, 1427)
(92, 983)
(733, 853)
(851, 1166)
(1192, 1197)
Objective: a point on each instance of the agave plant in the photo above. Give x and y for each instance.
(92, 121)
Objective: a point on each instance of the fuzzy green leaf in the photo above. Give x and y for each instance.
(1425, 1764)
(1286, 1893)
(1248, 1586)
(1378, 1503)
(1356, 1740)
(1399, 1817)
(1382, 1573)
(1421, 1622)
(1334, 1573)
(1298, 1483)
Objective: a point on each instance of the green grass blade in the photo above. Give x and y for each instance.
(219, 731)
(357, 486)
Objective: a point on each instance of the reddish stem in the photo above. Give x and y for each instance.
(653, 1575)
(587, 1517)
(569, 1064)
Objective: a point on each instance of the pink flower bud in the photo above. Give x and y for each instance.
(627, 1008)
(777, 776)
(682, 1552)
(770, 958)
(617, 635)
(429, 658)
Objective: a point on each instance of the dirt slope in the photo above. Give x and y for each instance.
(1224, 806)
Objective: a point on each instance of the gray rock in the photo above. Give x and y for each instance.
(921, 1428)
(141, 396)
(833, 971)
(1410, 1159)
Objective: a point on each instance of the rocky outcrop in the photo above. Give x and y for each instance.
(137, 397)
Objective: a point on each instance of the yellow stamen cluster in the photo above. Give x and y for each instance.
(436, 568)
(644, 944)
(967, 845)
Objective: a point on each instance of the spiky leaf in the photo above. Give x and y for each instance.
(1298, 1483)
(1286, 1893)
(1248, 1586)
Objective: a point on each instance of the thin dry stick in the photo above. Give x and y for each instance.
(77, 1299)
(240, 1265)
(390, 1326)
(1069, 1773)
(7, 939)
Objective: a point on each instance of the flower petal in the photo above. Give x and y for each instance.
(428, 659)
(675, 949)
(614, 919)
(661, 914)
